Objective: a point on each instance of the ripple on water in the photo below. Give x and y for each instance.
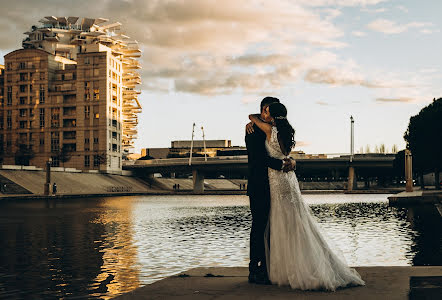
(99, 248)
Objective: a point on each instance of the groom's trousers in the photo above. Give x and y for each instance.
(259, 207)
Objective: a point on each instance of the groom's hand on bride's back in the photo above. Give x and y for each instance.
(289, 164)
(249, 128)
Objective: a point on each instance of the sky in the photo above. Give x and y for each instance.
(211, 63)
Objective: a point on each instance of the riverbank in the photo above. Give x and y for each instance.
(416, 197)
(71, 183)
(231, 283)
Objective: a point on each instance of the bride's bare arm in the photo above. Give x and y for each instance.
(265, 127)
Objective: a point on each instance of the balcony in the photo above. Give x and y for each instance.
(69, 123)
(69, 135)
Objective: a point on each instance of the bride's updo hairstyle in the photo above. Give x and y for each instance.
(286, 133)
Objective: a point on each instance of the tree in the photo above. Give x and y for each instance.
(424, 139)
(394, 149)
(64, 154)
(100, 159)
(367, 149)
(23, 155)
(376, 149)
(382, 149)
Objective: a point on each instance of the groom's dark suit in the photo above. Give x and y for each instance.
(259, 193)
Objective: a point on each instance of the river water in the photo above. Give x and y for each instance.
(103, 247)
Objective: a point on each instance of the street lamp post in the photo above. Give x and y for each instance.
(352, 138)
(351, 169)
(191, 145)
(204, 143)
(47, 187)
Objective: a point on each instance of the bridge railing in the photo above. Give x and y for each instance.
(243, 158)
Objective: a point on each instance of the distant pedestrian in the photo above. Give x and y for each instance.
(178, 186)
(54, 188)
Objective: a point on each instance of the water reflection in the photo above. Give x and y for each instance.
(104, 247)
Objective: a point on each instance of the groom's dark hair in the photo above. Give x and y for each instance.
(268, 100)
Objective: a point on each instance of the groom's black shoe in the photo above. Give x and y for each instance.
(252, 277)
(262, 278)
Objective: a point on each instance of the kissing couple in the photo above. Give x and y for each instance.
(286, 244)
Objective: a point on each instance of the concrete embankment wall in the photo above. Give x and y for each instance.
(75, 182)
(235, 184)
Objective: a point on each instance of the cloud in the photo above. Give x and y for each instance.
(374, 10)
(390, 27)
(429, 31)
(395, 100)
(322, 103)
(402, 8)
(201, 47)
(341, 77)
(358, 33)
(341, 2)
(302, 144)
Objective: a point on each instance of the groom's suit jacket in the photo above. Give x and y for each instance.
(258, 162)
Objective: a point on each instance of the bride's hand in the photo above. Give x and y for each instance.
(289, 164)
(249, 128)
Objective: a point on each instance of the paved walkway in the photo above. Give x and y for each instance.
(231, 283)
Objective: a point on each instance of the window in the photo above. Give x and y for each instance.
(22, 88)
(96, 160)
(55, 161)
(9, 119)
(22, 100)
(87, 112)
(31, 112)
(23, 124)
(87, 162)
(96, 94)
(86, 61)
(9, 100)
(42, 117)
(23, 112)
(22, 65)
(23, 76)
(42, 94)
(96, 72)
(95, 140)
(55, 117)
(9, 66)
(42, 76)
(55, 141)
(86, 140)
(42, 141)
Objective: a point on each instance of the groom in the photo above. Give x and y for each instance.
(259, 193)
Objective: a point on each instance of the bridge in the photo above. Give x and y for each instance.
(364, 165)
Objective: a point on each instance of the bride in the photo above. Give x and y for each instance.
(299, 255)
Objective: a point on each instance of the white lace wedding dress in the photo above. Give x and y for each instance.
(299, 255)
